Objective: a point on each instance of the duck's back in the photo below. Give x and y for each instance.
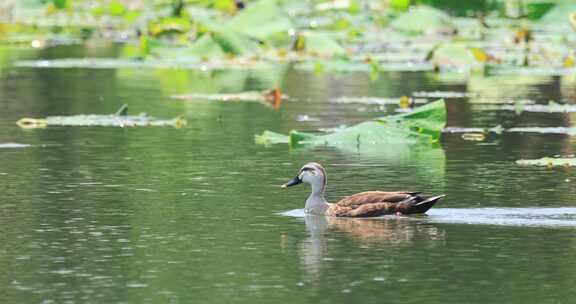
(377, 203)
(371, 197)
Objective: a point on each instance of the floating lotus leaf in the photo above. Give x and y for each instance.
(502, 89)
(377, 100)
(558, 16)
(336, 65)
(456, 56)
(551, 107)
(424, 20)
(322, 44)
(119, 119)
(499, 130)
(229, 41)
(531, 71)
(548, 162)
(169, 25)
(193, 63)
(423, 125)
(206, 46)
(272, 97)
(347, 66)
(234, 44)
(544, 130)
(95, 120)
(444, 94)
(260, 20)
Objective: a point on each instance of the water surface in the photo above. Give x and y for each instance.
(163, 215)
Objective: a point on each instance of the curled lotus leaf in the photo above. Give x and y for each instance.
(424, 125)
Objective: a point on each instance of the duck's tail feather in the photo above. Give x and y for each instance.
(426, 204)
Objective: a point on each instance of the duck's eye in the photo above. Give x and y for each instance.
(313, 173)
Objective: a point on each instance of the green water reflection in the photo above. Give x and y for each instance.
(160, 215)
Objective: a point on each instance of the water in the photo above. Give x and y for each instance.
(164, 215)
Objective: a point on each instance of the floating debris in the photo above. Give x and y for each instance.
(306, 117)
(548, 162)
(444, 94)
(13, 146)
(376, 100)
(474, 136)
(499, 130)
(531, 70)
(544, 130)
(120, 119)
(494, 103)
(38, 41)
(551, 107)
(273, 97)
(191, 63)
(345, 66)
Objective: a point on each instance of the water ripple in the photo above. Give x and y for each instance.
(534, 217)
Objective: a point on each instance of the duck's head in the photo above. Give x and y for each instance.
(311, 173)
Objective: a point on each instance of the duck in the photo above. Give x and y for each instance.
(363, 204)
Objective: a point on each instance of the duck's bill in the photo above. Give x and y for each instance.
(293, 182)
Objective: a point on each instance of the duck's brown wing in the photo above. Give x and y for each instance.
(377, 203)
(370, 204)
(371, 197)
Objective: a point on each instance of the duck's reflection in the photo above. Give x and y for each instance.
(393, 231)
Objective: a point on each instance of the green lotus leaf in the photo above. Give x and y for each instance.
(424, 125)
(424, 20)
(260, 20)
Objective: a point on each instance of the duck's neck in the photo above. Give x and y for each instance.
(315, 203)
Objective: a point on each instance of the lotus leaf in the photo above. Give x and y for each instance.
(119, 119)
(260, 20)
(192, 63)
(551, 107)
(456, 56)
(322, 44)
(558, 15)
(424, 20)
(207, 46)
(423, 125)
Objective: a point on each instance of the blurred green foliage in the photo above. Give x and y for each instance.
(354, 34)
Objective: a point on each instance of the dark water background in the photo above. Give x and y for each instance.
(193, 215)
